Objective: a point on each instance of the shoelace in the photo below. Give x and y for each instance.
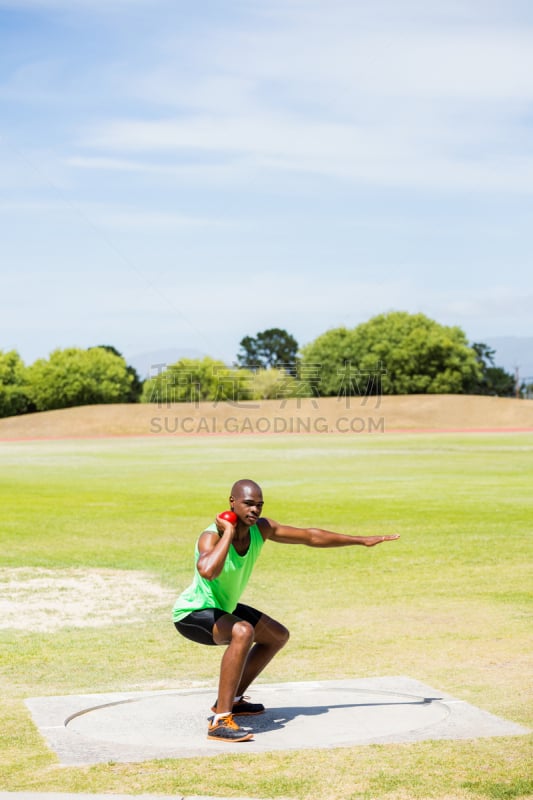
(228, 722)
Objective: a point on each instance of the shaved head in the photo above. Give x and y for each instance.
(246, 501)
(245, 487)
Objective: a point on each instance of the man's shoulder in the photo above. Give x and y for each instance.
(264, 527)
(207, 532)
(212, 527)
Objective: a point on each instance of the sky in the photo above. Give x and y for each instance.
(181, 175)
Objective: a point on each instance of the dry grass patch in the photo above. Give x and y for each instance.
(46, 600)
(348, 416)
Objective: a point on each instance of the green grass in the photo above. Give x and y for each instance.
(448, 604)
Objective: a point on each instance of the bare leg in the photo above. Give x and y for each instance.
(269, 637)
(239, 636)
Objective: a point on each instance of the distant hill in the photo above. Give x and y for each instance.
(513, 352)
(352, 417)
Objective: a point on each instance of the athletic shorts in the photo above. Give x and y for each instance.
(198, 625)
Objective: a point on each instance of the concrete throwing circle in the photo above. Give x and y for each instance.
(297, 715)
(172, 723)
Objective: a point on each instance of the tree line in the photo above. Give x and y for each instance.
(393, 353)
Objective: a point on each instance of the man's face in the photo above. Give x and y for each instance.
(248, 504)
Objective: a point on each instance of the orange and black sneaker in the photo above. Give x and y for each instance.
(227, 730)
(242, 708)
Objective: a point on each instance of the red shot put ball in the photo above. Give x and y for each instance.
(230, 516)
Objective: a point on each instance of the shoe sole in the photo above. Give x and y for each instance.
(245, 738)
(247, 713)
(241, 713)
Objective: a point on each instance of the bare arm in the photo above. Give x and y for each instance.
(316, 537)
(213, 548)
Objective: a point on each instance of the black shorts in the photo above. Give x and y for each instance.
(198, 625)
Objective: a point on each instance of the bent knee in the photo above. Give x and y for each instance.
(284, 635)
(279, 634)
(243, 632)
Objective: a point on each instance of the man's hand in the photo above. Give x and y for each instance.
(370, 541)
(224, 525)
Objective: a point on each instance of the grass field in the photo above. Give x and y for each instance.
(448, 604)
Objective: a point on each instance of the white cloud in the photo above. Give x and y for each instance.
(332, 92)
(145, 220)
(421, 62)
(223, 172)
(397, 155)
(301, 134)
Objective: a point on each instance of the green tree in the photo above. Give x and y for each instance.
(273, 384)
(136, 382)
(74, 377)
(327, 358)
(493, 380)
(394, 353)
(273, 347)
(14, 397)
(191, 380)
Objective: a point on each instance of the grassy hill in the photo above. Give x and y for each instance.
(346, 415)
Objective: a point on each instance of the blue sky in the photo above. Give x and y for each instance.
(180, 175)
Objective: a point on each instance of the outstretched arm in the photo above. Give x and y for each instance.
(316, 537)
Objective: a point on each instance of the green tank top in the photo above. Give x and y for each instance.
(225, 591)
